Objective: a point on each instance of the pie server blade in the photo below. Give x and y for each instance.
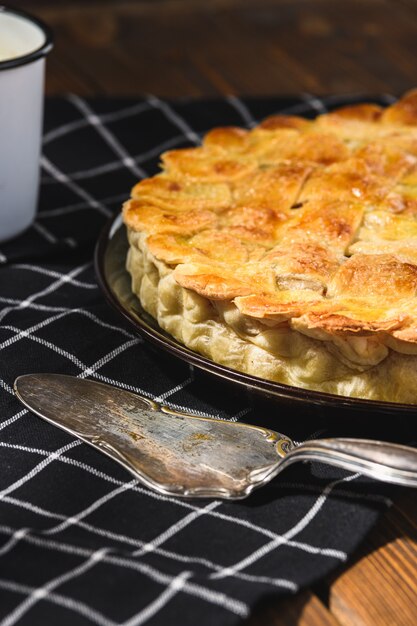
(187, 455)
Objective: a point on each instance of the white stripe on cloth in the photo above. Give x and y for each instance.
(148, 394)
(50, 238)
(174, 118)
(5, 386)
(344, 493)
(321, 105)
(388, 98)
(52, 456)
(214, 597)
(170, 392)
(87, 370)
(328, 552)
(156, 605)
(27, 334)
(211, 596)
(13, 419)
(63, 278)
(240, 414)
(131, 541)
(296, 109)
(74, 187)
(243, 110)
(91, 370)
(116, 165)
(297, 528)
(129, 111)
(42, 592)
(82, 312)
(96, 617)
(176, 528)
(44, 233)
(95, 121)
(314, 103)
(75, 519)
(14, 539)
(60, 600)
(79, 206)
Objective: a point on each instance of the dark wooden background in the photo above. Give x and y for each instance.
(179, 48)
(176, 48)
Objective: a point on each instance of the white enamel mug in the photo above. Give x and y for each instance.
(24, 43)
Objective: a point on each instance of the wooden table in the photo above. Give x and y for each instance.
(260, 47)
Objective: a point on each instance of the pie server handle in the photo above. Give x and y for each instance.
(186, 455)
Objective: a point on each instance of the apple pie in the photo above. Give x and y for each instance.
(289, 251)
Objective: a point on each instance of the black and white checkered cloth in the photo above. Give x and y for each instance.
(80, 541)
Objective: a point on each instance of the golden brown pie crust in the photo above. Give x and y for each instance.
(290, 251)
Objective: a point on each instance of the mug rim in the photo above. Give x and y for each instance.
(36, 54)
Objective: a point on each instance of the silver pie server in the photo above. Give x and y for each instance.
(186, 455)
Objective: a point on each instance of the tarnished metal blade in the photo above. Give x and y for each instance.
(172, 452)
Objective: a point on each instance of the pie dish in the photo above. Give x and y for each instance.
(289, 252)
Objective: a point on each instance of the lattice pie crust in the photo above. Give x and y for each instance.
(290, 251)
